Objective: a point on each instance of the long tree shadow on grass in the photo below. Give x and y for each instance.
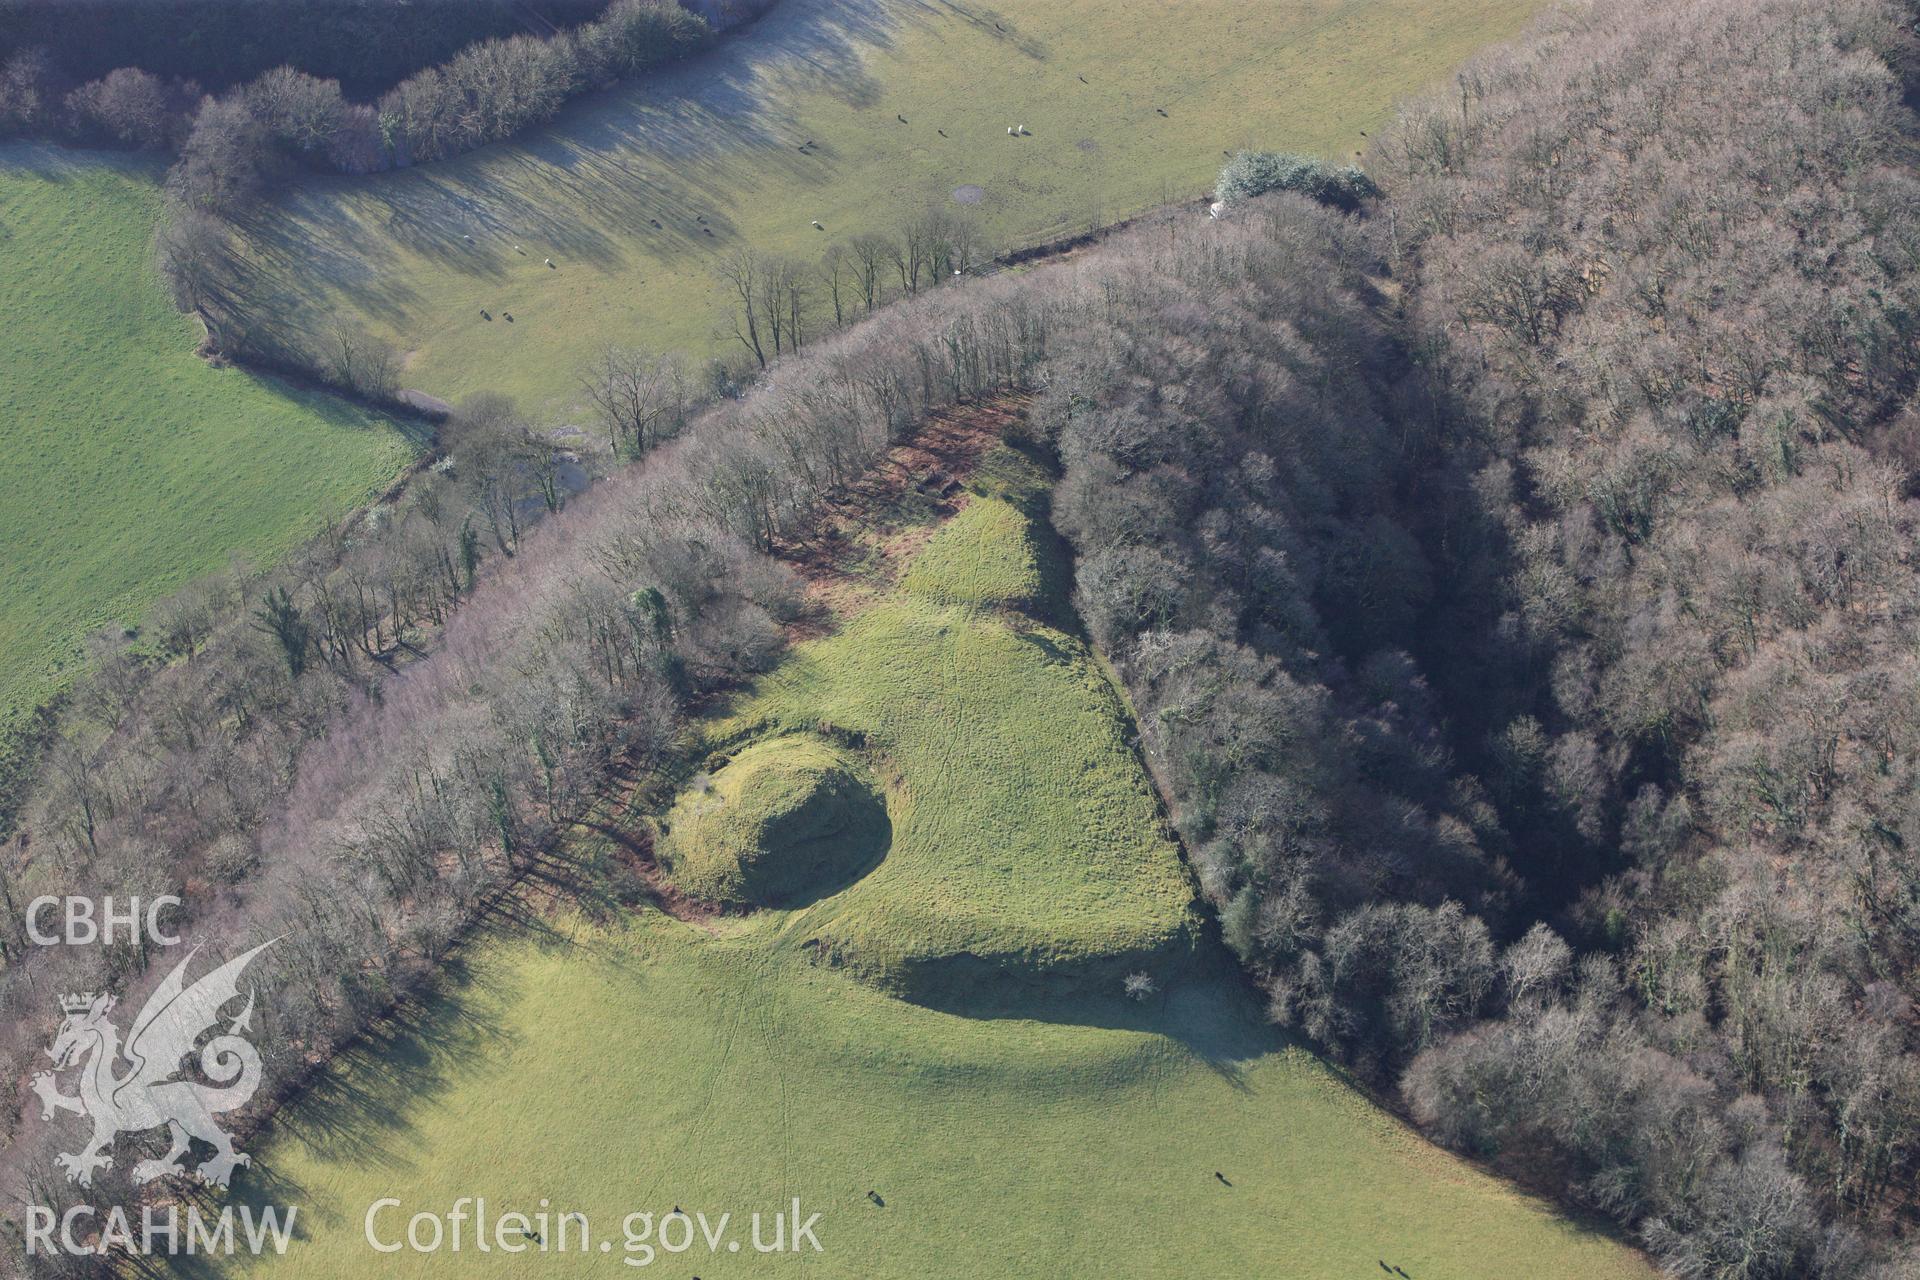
(1201, 999)
(369, 1107)
(658, 164)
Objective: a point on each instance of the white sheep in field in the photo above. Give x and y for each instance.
(817, 226)
(1213, 210)
(1009, 131)
(549, 261)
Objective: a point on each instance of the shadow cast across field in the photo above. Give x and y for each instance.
(1203, 1005)
(367, 1107)
(654, 167)
(361, 1109)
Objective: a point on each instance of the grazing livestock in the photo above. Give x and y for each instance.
(508, 316)
(549, 261)
(485, 315)
(1009, 131)
(817, 226)
(901, 119)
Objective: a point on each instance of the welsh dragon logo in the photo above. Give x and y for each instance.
(151, 1093)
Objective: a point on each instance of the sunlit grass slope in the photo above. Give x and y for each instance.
(1023, 1124)
(1127, 102)
(128, 465)
(985, 556)
(654, 1065)
(1025, 840)
(785, 821)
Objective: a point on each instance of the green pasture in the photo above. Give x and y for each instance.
(786, 820)
(1021, 1121)
(1025, 841)
(987, 556)
(609, 1070)
(1127, 103)
(128, 465)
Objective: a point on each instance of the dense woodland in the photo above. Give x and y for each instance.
(234, 142)
(1513, 576)
(1535, 678)
(367, 45)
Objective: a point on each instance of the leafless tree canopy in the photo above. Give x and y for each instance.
(1513, 577)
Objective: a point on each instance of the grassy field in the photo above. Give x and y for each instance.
(1025, 840)
(630, 1069)
(127, 464)
(985, 556)
(786, 821)
(711, 152)
(1039, 1128)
